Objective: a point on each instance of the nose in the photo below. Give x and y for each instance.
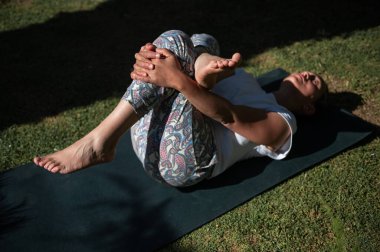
(309, 76)
(305, 75)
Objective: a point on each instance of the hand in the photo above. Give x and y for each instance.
(143, 59)
(148, 47)
(165, 71)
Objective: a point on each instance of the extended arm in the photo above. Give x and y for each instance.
(259, 126)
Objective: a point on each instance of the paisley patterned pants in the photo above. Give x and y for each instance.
(173, 140)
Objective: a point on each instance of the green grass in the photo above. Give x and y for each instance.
(16, 14)
(332, 207)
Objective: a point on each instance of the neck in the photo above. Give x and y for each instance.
(284, 98)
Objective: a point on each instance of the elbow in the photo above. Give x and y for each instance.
(227, 120)
(224, 115)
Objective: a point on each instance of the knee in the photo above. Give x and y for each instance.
(179, 43)
(176, 35)
(176, 41)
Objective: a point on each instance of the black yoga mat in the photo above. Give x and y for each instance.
(117, 207)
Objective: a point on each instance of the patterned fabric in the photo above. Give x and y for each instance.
(209, 43)
(173, 140)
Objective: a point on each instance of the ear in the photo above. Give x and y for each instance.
(308, 109)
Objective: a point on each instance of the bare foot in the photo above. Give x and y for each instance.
(210, 69)
(96, 147)
(83, 153)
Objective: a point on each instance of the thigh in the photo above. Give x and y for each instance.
(187, 150)
(173, 140)
(181, 45)
(144, 96)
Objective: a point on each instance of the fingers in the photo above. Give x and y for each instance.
(147, 55)
(142, 62)
(164, 52)
(143, 65)
(137, 76)
(148, 47)
(140, 70)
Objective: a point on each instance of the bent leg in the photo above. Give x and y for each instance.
(209, 67)
(166, 138)
(187, 148)
(98, 146)
(144, 96)
(205, 43)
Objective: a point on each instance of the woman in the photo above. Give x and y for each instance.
(189, 118)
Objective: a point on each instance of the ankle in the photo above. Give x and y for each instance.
(200, 50)
(200, 62)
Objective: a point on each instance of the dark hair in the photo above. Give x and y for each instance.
(323, 101)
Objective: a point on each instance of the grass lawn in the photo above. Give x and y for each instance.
(64, 65)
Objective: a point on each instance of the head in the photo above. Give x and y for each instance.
(305, 89)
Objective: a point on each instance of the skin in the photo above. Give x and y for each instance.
(99, 145)
(96, 147)
(257, 125)
(298, 92)
(209, 68)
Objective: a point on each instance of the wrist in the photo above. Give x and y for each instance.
(183, 82)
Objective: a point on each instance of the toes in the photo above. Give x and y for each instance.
(222, 63)
(213, 64)
(43, 161)
(232, 63)
(226, 63)
(64, 170)
(56, 169)
(37, 160)
(236, 57)
(49, 165)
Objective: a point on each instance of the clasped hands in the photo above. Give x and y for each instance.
(157, 66)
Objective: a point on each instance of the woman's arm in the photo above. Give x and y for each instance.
(257, 125)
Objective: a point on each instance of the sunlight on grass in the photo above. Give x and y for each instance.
(332, 207)
(292, 216)
(19, 144)
(348, 63)
(16, 14)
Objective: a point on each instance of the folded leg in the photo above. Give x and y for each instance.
(173, 140)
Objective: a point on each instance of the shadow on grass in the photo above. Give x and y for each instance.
(95, 209)
(330, 131)
(77, 58)
(117, 207)
(346, 100)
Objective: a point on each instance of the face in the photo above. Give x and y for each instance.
(310, 86)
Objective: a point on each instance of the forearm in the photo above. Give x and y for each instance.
(259, 126)
(208, 103)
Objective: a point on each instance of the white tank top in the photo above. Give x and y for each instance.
(243, 89)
